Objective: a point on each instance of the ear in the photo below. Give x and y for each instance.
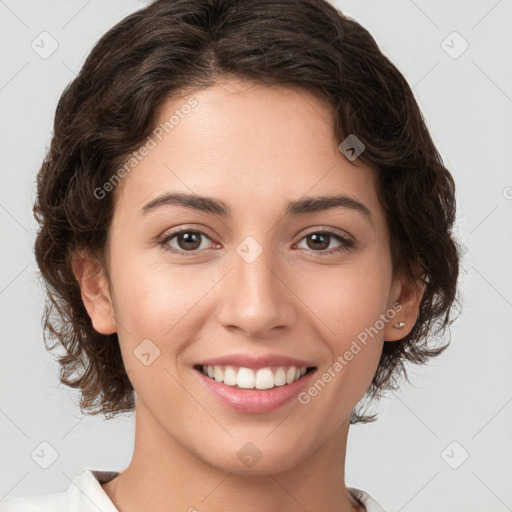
(95, 291)
(405, 300)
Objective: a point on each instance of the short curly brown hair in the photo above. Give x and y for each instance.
(154, 54)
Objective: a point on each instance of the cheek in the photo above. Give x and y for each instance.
(152, 298)
(346, 299)
(159, 310)
(348, 304)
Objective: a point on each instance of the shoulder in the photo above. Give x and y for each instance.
(363, 497)
(85, 494)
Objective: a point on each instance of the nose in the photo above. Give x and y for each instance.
(257, 298)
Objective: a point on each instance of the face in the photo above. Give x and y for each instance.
(253, 284)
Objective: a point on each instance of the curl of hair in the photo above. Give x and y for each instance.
(173, 46)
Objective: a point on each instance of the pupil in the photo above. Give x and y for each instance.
(189, 238)
(318, 237)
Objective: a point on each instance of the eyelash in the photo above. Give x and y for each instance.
(346, 243)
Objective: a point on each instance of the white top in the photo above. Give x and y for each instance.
(85, 494)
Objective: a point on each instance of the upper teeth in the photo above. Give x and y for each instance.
(247, 378)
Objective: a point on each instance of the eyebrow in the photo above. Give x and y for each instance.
(294, 208)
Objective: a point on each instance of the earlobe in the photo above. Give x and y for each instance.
(407, 300)
(95, 292)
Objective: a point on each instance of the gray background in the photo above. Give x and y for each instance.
(406, 460)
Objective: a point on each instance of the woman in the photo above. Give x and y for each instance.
(245, 232)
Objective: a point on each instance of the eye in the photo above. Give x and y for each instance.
(319, 241)
(187, 240)
(191, 241)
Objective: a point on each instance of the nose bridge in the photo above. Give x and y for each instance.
(254, 297)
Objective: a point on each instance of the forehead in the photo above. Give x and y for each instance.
(240, 140)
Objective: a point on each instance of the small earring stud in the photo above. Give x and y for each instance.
(399, 325)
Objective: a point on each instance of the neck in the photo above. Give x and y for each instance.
(164, 476)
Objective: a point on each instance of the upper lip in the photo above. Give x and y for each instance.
(263, 361)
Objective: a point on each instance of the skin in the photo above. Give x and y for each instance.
(256, 148)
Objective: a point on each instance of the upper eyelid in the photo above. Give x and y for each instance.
(173, 232)
(332, 231)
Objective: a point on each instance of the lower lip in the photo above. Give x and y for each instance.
(255, 401)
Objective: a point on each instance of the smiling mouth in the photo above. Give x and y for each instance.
(240, 377)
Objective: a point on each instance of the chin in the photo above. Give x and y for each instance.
(256, 458)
